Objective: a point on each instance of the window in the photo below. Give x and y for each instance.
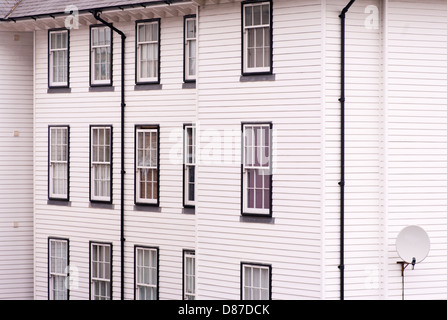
(189, 165)
(256, 169)
(58, 58)
(256, 282)
(189, 275)
(257, 37)
(101, 163)
(148, 51)
(58, 269)
(58, 170)
(146, 282)
(100, 56)
(146, 165)
(100, 271)
(190, 62)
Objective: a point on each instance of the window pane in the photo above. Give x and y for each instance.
(248, 16)
(266, 14)
(108, 36)
(141, 32)
(259, 59)
(256, 15)
(191, 29)
(53, 40)
(248, 276)
(154, 149)
(259, 38)
(192, 57)
(101, 36)
(251, 58)
(95, 36)
(251, 188)
(191, 183)
(155, 28)
(64, 38)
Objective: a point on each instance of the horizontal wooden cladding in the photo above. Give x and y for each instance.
(292, 103)
(170, 107)
(16, 167)
(417, 124)
(363, 154)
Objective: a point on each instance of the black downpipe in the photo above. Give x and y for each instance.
(123, 172)
(342, 151)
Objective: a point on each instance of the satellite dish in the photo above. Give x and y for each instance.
(413, 245)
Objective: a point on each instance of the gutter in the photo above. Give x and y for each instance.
(342, 182)
(96, 14)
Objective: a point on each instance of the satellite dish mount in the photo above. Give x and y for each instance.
(412, 245)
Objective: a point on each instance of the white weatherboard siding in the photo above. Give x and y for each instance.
(363, 220)
(170, 107)
(292, 102)
(417, 125)
(395, 141)
(396, 163)
(16, 165)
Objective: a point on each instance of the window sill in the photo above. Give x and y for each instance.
(102, 205)
(257, 77)
(57, 202)
(189, 210)
(146, 208)
(143, 87)
(189, 85)
(257, 219)
(107, 88)
(59, 90)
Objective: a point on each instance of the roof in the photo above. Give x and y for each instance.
(36, 8)
(6, 6)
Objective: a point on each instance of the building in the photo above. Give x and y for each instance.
(196, 149)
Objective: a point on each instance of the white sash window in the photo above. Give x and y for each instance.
(257, 37)
(148, 51)
(146, 166)
(146, 273)
(101, 56)
(58, 58)
(58, 269)
(58, 163)
(101, 164)
(101, 271)
(190, 48)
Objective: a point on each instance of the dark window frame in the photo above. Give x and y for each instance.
(67, 198)
(185, 18)
(244, 263)
(248, 73)
(135, 269)
(258, 215)
(66, 86)
(137, 81)
(92, 242)
(110, 201)
(48, 263)
(110, 84)
(146, 126)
